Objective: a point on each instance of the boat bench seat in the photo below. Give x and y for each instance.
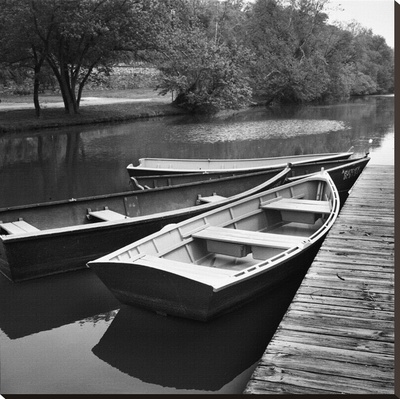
(107, 215)
(296, 204)
(18, 227)
(299, 210)
(240, 243)
(211, 198)
(170, 264)
(204, 274)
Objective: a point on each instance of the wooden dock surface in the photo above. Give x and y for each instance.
(338, 333)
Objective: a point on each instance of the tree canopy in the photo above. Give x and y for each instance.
(211, 54)
(73, 37)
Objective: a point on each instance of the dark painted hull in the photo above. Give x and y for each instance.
(54, 250)
(343, 174)
(38, 256)
(190, 299)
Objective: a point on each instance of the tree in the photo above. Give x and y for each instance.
(19, 48)
(44, 25)
(74, 37)
(340, 56)
(212, 54)
(360, 59)
(374, 64)
(89, 34)
(222, 20)
(204, 74)
(290, 65)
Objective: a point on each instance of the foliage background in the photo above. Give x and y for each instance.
(208, 55)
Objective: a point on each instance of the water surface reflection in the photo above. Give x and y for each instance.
(185, 354)
(84, 161)
(67, 334)
(82, 341)
(33, 306)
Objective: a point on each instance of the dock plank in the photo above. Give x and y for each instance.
(346, 311)
(339, 342)
(340, 360)
(285, 380)
(380, 299)
(338, 334)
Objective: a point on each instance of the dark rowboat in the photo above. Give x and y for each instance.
(344, 173)
(158, 166)
(211, 263)
(47, 238)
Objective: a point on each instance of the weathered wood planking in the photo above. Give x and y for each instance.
(338, 333)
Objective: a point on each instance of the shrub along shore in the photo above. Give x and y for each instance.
(148, 104)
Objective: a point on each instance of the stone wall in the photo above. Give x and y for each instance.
(135, 76)
(124, 77)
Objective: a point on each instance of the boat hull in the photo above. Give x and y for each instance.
(344, 174)
(215, 262)
(24, 258)
(191, 299)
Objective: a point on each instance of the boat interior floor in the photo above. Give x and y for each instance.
(237, 263)
(297, 229)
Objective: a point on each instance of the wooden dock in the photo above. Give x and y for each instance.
(337, 337)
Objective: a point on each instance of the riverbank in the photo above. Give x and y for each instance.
(17, 113)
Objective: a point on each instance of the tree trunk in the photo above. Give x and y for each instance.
(68, 95)
(65, 85)
(36, 84)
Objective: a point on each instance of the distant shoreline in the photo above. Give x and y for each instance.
(17, 113)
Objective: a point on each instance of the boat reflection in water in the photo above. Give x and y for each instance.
(44, 304)
(186, 354)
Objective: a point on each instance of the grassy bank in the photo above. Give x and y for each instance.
(147, 104)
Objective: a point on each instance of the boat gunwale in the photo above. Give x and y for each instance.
(351, 163)
(278, 170)
(317, 157)
(343, 162)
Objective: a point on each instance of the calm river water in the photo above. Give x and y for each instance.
(67, 334)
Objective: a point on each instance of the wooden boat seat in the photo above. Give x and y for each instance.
(18, 227)
(204, 274)
(302, 205)
(240, 243)
(299, 210)
(107, 215)
(211, 198)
